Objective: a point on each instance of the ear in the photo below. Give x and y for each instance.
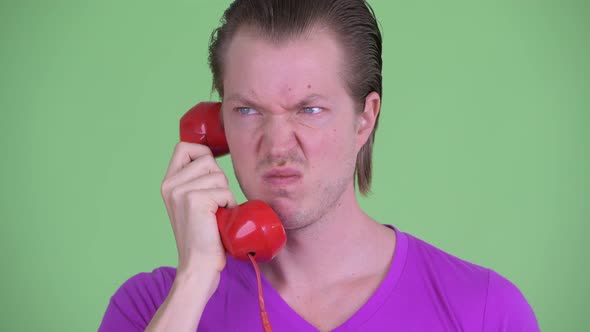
(366, 120)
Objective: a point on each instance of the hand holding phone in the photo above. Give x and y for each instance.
(193, 189)
(206, 221)
(251, 228)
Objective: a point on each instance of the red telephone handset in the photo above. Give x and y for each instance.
(252, 227)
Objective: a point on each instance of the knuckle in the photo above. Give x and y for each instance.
(165, 187)
(209, 160)
(175, 195)
(207, 164)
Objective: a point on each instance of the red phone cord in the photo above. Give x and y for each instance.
(263, 315)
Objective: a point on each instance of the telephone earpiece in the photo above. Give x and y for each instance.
(252, 227)
(202, 124)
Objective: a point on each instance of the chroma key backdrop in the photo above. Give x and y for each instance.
(482, 148)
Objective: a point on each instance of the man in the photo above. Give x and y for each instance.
(301, 88)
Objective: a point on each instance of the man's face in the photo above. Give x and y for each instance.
(290, 123)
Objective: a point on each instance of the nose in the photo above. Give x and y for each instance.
(278, 136)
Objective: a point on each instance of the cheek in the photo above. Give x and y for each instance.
(242, 154)
(333, 150)
(237, 138)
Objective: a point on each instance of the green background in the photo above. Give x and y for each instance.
(482, 148)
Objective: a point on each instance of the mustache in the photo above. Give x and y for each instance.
(291, 157)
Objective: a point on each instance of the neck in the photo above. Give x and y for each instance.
(346, 243)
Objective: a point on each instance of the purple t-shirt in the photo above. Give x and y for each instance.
(425, 289)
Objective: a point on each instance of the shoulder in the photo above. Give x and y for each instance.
(155, 285)
(447, 283)
(479, 291)
(445, 267)
(506, 307)
(136, 301)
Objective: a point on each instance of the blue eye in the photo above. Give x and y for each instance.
(246, 110)
(312, 110)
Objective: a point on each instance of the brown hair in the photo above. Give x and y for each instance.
(352, 21)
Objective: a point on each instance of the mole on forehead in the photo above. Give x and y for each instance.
(308, 86)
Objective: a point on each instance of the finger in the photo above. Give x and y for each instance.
(203, 165)
(209, 200)
(184, 153)
(215, 180)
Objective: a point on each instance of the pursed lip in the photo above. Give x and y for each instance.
(282, 176)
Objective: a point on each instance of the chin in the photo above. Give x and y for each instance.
(291, 216)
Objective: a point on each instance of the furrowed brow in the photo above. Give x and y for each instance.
(241, 99)
(309, 100)
(306, 101)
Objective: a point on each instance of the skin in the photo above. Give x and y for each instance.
(286, 106)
